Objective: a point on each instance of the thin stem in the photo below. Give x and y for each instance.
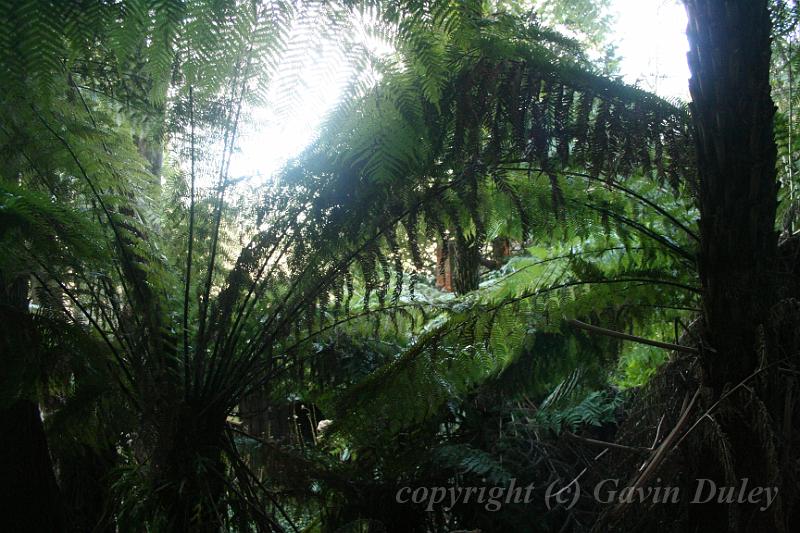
(628, 337)
(189, 247)
(230, 139)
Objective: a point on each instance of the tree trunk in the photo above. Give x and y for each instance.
(188, 469)
(466, 265)
(28, 487)
(29, 491)
(733, 113)
(733, 116)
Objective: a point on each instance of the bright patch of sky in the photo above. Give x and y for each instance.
(651, 39)
(649, 34)
(295, 108)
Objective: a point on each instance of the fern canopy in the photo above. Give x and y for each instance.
(205, 330)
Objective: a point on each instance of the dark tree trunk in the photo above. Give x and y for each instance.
(733, 115)
(458, 263)
(28, 489)
(188, 469)
(466, 265)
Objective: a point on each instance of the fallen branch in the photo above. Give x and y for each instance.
(633, 338)
(634, 449)
(661, 452)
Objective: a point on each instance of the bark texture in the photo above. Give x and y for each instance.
(733, 115)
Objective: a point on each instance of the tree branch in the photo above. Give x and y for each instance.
(628, 337)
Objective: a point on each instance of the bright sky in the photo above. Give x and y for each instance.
(650, 37)
(276, 135)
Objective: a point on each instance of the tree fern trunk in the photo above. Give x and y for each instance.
(188, 469)
(30, 494)
(733, 114)
(28, 489)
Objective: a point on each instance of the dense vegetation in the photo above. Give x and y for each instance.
(495, 262)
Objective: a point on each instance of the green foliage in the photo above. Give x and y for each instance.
(473, 462)
(637, 365)
(595, 409)
(785, 67)
(192, 302)
(589, 19)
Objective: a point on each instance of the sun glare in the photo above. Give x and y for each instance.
(651, 39)
(280, 129)
(649, 34)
